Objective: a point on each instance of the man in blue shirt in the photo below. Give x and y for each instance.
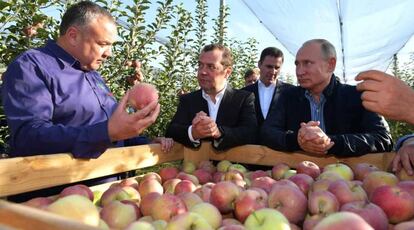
(322, 115)
(54, 99)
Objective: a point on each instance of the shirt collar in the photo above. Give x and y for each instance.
(262, 85)
(62, 55)
(218, 97)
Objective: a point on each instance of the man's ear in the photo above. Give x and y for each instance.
(331, 64)
(228, 72)
(72, 34)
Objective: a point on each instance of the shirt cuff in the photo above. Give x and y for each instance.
(401, 141)
(190, 136)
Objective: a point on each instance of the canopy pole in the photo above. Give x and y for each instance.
(342, 39)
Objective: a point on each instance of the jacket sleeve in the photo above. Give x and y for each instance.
(246, 129)
(28, 105)
(274, 133)
(374, 136)
(178, 127)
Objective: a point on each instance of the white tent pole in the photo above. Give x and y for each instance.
(342, 39)
(222, 10)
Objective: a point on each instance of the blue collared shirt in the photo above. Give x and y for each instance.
(317, 109)
(53, 106)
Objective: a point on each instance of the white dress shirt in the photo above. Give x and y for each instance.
(265, 96)
(212, 110)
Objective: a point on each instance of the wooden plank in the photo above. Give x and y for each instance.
(24, 174)
(17, 216)
(197, 155)
(260, 155)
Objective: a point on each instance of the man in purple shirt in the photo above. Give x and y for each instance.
(55, 101)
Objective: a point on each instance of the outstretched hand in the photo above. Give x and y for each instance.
(122, 125)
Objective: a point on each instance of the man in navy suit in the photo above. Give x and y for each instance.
(216, 112)
(268, 88)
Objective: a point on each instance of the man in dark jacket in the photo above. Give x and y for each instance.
(323, 116)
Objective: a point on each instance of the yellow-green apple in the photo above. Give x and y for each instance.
(39, 202)
(78, 189)
(247, 202)
(223, 196)
(370, 212)
(376, 179)
(169, 185)
(236, 177)
(311, 221)
(320, 185)
(208, 166)
(151, 175)
(397, 203)
(223, 166)
(190, 199)
(146, 219)
(279, 169)
(203, 176)
(148, 202)
(237, 167)
(168, 173)
(142, 94)
(290, 201)
(362, 169)
(188, 167)
(347, 191)
(102, 225)
(167, 206)
(343, 221)
(209, 212)
(150, 185)
(322, 202)
(186, 176)
(407, 185)
(113, 193)
(184, 186)
(264, 183)
(204, 191)
(329, 175)
(159, 224)
(303, 181)
(266, 219)
(188, 221)
(342, 169)
(407, 225)
(256, 174)
(119, 214)
(289, 173)
(76, 207)
(308, 168)
(97, 194)
(140, 225)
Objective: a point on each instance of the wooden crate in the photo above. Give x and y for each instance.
(23, 174)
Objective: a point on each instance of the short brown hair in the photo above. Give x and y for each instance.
(251, 71)
(227, 57)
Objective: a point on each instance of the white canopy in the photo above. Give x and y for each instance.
(372, 31)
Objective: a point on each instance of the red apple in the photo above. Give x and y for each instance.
(190, 199)
(407, 185)
(119, 193)
(151, 175)
(320, 185)
(397, 203)
(184, 186)
(218, 176)
(203, 176)
(279, 169)
(408, 225)
(204, 192)
(236, 177)
(167, 206)
(119, 214)
(303, 181)
(142, 94)
(264, 183)
(148, 202)
(347, 191)
(78, 189)
(223, 195)
(131, 182)
(343, 221)
(39, 202)
(208, 166)
(258, 173)
(150, 185)
(247, 202)
(185, 176)
(322, 202)
(169, 185)
(290, 201)
(309, 168)
(370, 212)
(311, 221)
(376, 179)
(168, 173)
(362, 169)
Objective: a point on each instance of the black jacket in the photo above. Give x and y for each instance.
(236, 118)
(354, 130)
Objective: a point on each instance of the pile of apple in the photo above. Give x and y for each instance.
(228, 196)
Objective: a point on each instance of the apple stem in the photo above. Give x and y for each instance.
(257, 218)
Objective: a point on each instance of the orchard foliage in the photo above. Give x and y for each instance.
(169, 63)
